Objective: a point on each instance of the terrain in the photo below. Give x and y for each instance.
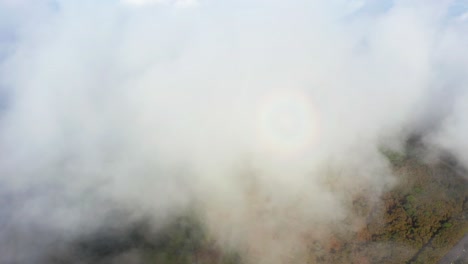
(418, 221)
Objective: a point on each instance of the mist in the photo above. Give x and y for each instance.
(265, 117)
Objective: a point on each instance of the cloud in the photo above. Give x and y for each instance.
(177, 3)
(463, 17)
(248, 111)
(143, 2)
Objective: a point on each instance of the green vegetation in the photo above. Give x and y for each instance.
(186, 242)
(181, 242)
(396, 158)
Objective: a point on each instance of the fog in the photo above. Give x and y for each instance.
(267, 117)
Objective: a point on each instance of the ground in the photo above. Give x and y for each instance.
(418, 221)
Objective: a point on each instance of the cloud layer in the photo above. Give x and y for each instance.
(268, 115)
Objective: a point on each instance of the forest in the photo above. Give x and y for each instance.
(417, 222)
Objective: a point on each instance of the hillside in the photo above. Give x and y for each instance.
(418, 221)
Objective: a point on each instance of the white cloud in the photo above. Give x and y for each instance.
(154, 112)
(463, 17)
(355, 5)
(186, 3)
(143, 2)
(177, 3)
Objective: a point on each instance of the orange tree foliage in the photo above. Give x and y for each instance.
(417, 222)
